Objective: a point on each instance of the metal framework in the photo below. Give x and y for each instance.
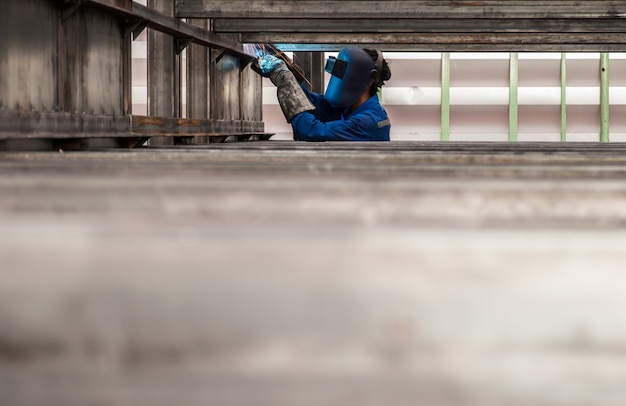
(418, 25)
(139, 17)
(85, 94)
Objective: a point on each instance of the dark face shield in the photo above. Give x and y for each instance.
(351, 74)
(336, 67)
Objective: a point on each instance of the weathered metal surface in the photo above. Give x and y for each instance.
(127, 72)
(162, 126)
(554, 39)
(409, 46)
(251, 96)
(69, 76)
(176, 28)
(355, 9)
(34, 124)
(458, 184)
(74, 143)
(312, 63)
(418, 24)
(225, 86)
(282, 273)
(92, 63)
(421, 25)
(163, 81)
(28, 71)
(126, 5)
(165, 23)
(79, 65)
(438, 34)
(198, 78)
(62, 77)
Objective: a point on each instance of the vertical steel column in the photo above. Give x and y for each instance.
(604, 97)
(197, 77)
(178, 82)
(312, 63)
(563, 97)
(127, 79)
(162, 81)
(61, 69)
(198, 80)
(318, 61)
(250, 99)
(92, 67)
(445, 96)
(513, 95)
(225, 72)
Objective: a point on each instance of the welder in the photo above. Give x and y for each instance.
(348, 111)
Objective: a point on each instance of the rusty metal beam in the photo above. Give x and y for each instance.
(180, 127)
(446, 47)
(485, 25)
(25, 124)
(448, 38)
(381, 9)
(420, 25)
(553, 42)
(135, 12)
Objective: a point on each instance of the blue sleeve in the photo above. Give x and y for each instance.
(307, 127)
(323, 110)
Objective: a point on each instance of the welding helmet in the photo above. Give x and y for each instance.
(351, 72)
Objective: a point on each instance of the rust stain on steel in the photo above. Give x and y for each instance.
(190, 122)
(145, 120)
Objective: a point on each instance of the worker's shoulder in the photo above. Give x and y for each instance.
(374, 110)
(371, 106)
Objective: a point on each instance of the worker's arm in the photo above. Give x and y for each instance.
(323, 110)
(291, 97)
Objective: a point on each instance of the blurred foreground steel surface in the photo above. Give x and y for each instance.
(288, 274)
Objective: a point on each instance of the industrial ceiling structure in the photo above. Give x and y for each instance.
(418, 25)
(405, 25)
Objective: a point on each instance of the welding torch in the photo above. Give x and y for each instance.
(259, 50)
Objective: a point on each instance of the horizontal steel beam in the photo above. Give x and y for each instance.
(289, 47)
(23, 124)
(138, 13)
(355, 9)
(507, 25)
(26, 124)
(447, 42)
(180, 127)
(419, 25)
(336, 47)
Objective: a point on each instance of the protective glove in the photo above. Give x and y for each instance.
(268, 49)
(291, 97)
(269, 63)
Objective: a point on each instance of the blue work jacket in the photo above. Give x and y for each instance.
(369, 122)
